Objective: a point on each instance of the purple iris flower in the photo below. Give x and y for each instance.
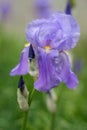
(5, 8)
(68, 9)
(43, 8)
(51, 38)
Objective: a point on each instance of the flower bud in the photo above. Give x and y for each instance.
(51, 101)
(68, 9)
(22, 95)
(22, 101)
(33, 68)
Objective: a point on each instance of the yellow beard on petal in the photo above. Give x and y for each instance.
(47, 49)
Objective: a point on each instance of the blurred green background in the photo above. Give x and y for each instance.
(71, 105)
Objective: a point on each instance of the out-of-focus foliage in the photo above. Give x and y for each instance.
(73, 2)
(72, 104)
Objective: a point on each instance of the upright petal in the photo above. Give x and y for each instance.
(50, 33)
(70, 29)
(48, 77)
(32, 31)
(60, 31)
(23, 67)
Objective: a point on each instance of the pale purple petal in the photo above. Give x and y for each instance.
(32, 31)
(50, 34)
(41, 31)
(65, 73)
(23, 67)
(60, 31)
(48, 77)
(70, 29)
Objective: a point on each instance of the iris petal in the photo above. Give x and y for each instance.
(66, 74)
(60, 31)
(70, 29)
(23, 67)
(48, 77)
(54, 68)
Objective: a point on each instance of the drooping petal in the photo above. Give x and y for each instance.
(23, 67)
(66, 75)
(48, 77)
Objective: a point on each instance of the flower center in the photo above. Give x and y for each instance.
(47, 49)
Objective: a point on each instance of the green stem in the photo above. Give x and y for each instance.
(26, 113)
(25, 120)
(31, 97)
(53, 121)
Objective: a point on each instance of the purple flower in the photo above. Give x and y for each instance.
(51, 38)
(5, 8)
(43, 8)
